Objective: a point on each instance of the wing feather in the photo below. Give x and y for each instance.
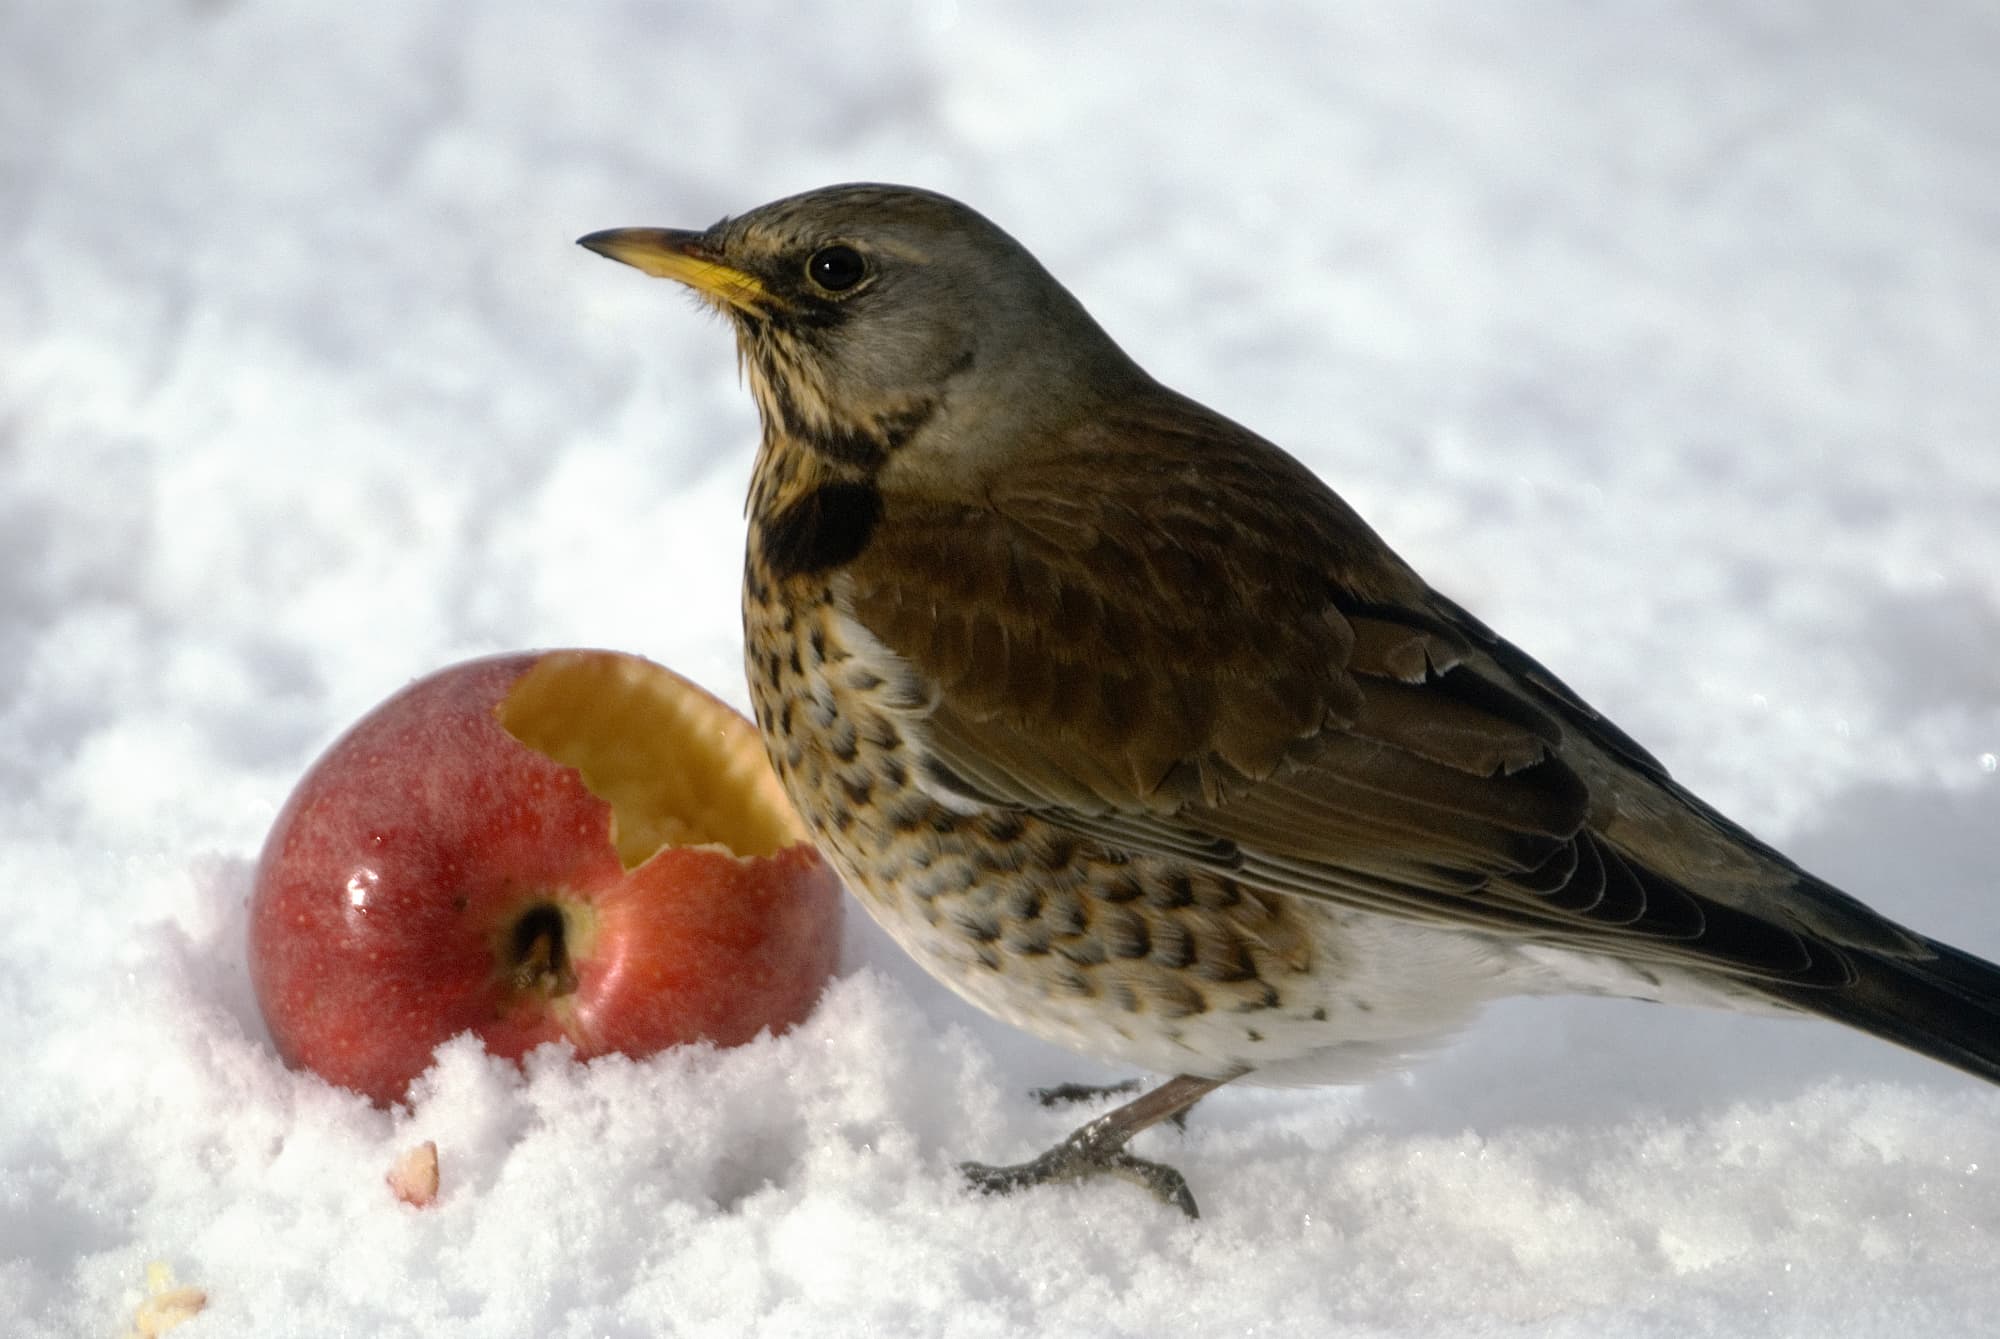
(1168, 636)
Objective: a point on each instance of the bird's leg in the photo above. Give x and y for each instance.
(1097, 1148)
(1070, 1094)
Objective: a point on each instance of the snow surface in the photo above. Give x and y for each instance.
(1662, 335)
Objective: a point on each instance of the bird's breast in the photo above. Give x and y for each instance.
(1129, 957)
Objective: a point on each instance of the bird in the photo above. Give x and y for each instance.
(1134, 734)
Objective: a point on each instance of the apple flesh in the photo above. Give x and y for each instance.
(566, 844)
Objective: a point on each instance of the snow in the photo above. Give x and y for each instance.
(1662, 336)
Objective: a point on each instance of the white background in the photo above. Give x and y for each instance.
(1662, 336)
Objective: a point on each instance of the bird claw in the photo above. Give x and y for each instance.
(1097, 1148)
(1071, 1160)
(1069, 1094)
(1073, 1094)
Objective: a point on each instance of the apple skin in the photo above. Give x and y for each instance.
(416, 880)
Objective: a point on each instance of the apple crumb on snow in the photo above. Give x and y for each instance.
(413, 1177)
(167, 1304)
(1660, 339)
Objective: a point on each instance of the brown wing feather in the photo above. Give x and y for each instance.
(1049, 610)
(1171, 636)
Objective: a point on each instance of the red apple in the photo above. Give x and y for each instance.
(572, 844)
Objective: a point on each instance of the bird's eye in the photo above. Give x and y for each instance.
(836, 268)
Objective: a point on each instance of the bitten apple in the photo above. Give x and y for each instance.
(575, 844)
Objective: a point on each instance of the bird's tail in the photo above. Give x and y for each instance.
(1945, 1005)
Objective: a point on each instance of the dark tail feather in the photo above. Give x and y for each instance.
(1946, 1006)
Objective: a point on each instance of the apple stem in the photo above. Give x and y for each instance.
(541, 958)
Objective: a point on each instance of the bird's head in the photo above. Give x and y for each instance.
(864, 314)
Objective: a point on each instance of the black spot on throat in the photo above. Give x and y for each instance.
(824, 529)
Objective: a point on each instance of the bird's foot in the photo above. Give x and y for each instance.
(1075, 1094)
(1097, 1148)
(1074, 1159)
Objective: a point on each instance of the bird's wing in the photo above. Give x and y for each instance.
(1171, 636)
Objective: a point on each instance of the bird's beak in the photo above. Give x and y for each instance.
(683, 256)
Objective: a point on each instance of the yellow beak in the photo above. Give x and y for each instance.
(682, 256)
